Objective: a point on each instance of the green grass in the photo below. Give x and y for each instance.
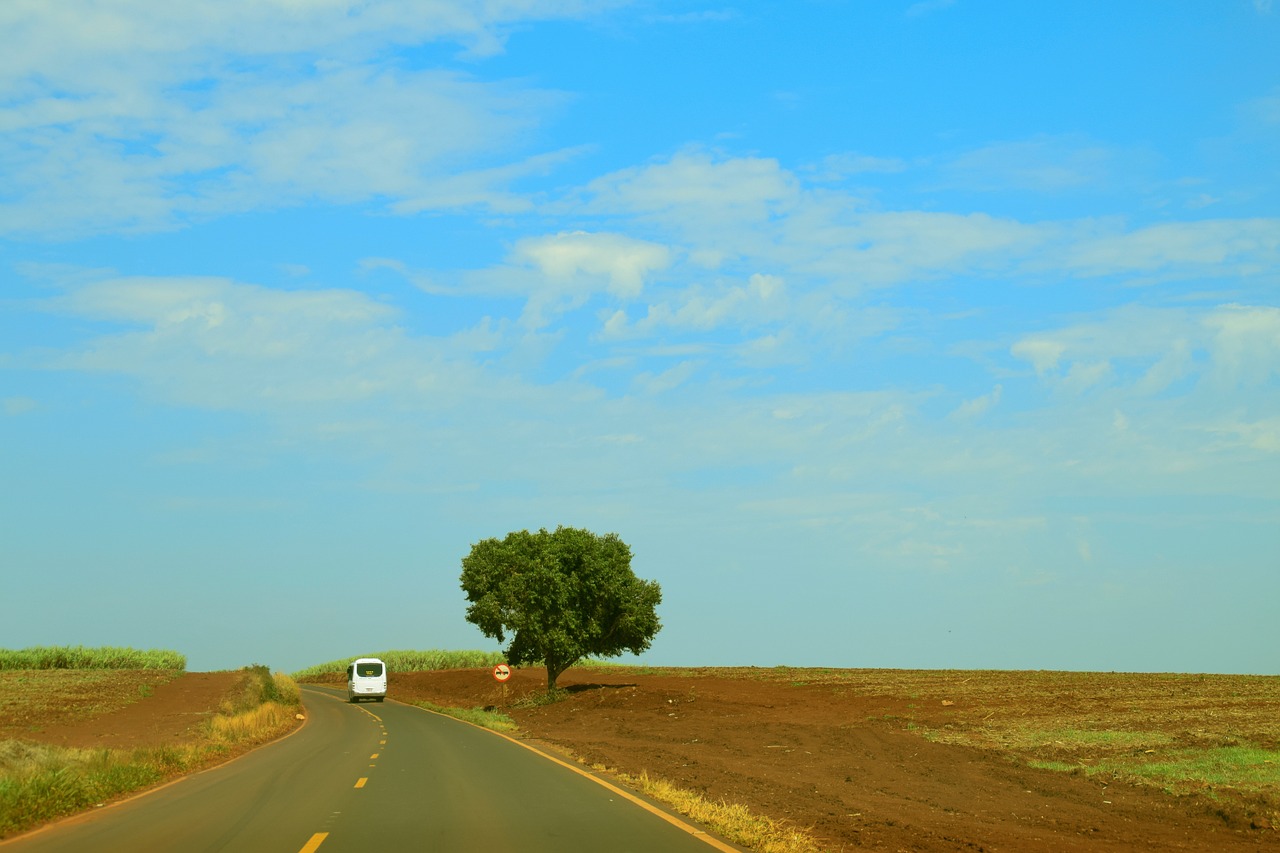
(1242, 768)
(476, 716)
(410, 661)
(81, 657)
(1230, 766)
(39, 783)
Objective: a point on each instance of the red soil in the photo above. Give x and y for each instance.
(832, 763)
(171, 714)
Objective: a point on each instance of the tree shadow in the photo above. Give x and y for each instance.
(581, 688)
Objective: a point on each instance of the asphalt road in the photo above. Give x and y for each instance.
(378, 777)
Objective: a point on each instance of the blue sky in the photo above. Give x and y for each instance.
(933, 334)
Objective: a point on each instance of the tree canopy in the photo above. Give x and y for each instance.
(562, 596)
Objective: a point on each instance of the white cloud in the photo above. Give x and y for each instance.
(1041, 164)
(572, 259)
(1043, 353)
(1172, 366)
(727, 212)
(711, 15)
(80, 42)
(1223, 247)
(130, 116)
(1084, 375)
(836, 167)
(732, 211)
(1246, 342)
(1158, 345)
(13, 406)
(979, 405)
(887, 248)
(761, 299)
(667, 380)
(347, 135)
(220, 344)
(1261, 435)
(694, 183)
(1265, 110)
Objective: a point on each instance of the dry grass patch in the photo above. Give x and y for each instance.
(40, 782)
(732, 820)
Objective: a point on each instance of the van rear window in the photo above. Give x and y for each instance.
(368, 670)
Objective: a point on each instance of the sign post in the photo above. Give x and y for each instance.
(501, 673)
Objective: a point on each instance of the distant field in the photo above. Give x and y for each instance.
(81, 657)
(430, 660)
(29, 698)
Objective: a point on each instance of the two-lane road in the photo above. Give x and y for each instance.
(378, 777)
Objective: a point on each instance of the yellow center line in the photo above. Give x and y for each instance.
(360, 782)
(316, 840)
(372, 757)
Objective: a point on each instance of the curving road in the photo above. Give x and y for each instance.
(379, 777)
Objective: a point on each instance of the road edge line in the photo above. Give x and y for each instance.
(699, 834)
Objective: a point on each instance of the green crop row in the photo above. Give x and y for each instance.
(410, 661)
(81, 657)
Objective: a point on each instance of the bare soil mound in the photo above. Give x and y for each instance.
(841, 764)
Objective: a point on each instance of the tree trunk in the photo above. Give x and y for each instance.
(554, 669)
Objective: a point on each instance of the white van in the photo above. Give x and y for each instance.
(366, 679)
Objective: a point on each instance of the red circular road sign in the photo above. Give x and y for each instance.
(502, 672)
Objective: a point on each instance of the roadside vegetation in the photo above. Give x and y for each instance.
(406, 661)
(40, 782)
(481, 717)
(734, 821)
(80, 657)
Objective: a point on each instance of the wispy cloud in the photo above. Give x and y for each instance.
(14, 406)
(1148, 350)
(1237, 247)
(979, 405)
(1042, 164)
(129, 117)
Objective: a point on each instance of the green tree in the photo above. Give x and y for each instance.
(562, 596)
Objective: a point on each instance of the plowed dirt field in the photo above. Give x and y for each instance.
(910, 761)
